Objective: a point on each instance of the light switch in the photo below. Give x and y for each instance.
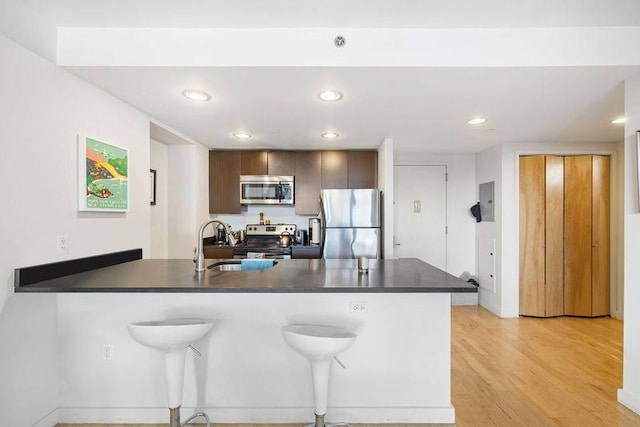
(416, 206)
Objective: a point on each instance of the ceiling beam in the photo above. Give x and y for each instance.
(207, 47)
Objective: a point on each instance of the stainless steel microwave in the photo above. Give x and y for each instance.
(266, 190)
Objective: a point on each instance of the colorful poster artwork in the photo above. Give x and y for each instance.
(105, 178)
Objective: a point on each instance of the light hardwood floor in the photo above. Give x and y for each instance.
(531, 372)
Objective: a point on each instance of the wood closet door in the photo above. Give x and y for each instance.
(541, 236)
(554, 236)
(578, 227)
(600, 236)
(532, 235)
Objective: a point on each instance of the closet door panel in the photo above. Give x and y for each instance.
(532, 218)
(554, 236)
(577, 241)
(600, 232)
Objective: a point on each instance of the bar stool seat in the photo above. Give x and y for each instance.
(320, 345)
(172, 338)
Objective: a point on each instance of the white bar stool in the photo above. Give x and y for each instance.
(320, 345)
(172, 338)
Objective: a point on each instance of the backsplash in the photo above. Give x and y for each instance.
(277, 215)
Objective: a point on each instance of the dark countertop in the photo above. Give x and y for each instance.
(288, 276)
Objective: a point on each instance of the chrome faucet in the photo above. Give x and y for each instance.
(200, 251)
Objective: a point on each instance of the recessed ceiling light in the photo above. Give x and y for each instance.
(619, 120)
(242, 135)
(330, 135)
(477, 121)
(196, 95)
(330, 95)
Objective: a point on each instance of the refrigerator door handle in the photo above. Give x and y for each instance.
(322, 227)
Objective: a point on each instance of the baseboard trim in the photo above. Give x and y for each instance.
(485, 304)
(241, 415)
(628, 400)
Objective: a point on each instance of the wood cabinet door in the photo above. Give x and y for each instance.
(532, 235)
(253, 162)
(362, 169)
(600, 232)
(281, 163)
(308, 173)
(554, 236)
(224, 182)
(578, 199)
(334, 169)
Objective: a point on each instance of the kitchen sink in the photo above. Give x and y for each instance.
(245, 265)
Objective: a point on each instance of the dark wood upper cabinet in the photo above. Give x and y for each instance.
(313, 170)
(224, 182)
(334, 169)
(308, 173)
(254, 163)
(281, 163)
(362, 169)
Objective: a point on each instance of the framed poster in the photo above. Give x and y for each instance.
(103, 176)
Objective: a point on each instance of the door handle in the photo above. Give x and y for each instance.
(396, 244)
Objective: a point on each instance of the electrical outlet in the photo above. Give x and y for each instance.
(107, 352)
(63, 243)
(358, 307)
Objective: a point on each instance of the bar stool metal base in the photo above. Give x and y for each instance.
(320, 423)
(174, 418)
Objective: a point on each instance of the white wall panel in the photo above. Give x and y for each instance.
(42, 109)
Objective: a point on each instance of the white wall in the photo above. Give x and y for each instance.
(489, 168)
(188, 195)
(159, 217)
(461, 253)
(629, 395)
(385, 184)
(43, 108)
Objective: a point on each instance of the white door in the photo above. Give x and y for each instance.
(420, 213)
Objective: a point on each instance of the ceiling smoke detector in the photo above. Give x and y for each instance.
(339, 41)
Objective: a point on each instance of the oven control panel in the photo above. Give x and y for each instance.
(270, 230)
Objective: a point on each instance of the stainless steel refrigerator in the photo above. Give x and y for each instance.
(351, 223)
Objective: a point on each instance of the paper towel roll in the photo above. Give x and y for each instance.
(315, 233)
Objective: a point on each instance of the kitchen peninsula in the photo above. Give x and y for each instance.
(398, 370)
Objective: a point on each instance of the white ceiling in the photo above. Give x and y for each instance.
(422, 109)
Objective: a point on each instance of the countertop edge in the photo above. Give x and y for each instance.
(408, 275)
(158, 290)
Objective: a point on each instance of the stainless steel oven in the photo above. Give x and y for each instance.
(262, 241)
(266, 189)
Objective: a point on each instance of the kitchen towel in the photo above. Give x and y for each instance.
(255, 264)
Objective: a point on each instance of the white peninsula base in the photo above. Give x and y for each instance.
(398, 370)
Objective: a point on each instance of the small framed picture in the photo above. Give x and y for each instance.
(638, 163)
(152, 188)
